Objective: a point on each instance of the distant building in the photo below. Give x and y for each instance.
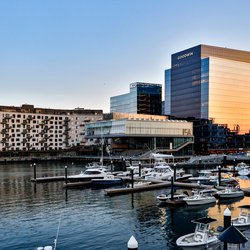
(143, 132)
(144, 98)
(27, 128)
(208, 82)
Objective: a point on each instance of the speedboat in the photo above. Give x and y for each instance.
(199, 198)
(243, 169)
(177, 199)
(88, 175)
(163, 172)
(202, 238)
(242, 222)
(205, 177)
(228, 193)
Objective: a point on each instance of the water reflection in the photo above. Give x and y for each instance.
(29, 213)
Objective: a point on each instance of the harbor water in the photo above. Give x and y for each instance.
(30, 213)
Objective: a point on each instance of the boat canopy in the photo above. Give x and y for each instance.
(162, 156)
(204, 220)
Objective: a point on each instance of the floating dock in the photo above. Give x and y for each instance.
(48, 179)
(119, 191)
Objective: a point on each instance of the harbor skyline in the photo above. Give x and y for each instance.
(62, 55)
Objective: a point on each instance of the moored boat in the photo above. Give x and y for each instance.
(107, 181)
(176, 200)
(199, 198)
(229, 193)
(202, 237)
(88, 175)
(242, 222)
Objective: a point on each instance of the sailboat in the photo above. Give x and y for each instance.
(55, 241)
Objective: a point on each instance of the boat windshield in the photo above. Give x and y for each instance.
(90, 172)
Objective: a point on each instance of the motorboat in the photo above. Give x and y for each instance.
(207, 177)
(88, 175)
(199, 198)
(204, 177)
(242, 222)
(205, 191)
(177, 199)
(202, 238)
(230, 192)
(163, 172)
(108, 181)
(243, 169)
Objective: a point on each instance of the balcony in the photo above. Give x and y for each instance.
(29, 118)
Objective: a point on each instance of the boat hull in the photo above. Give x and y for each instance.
(230, 195)
(210, 243)
(106, 183)
(196, 202)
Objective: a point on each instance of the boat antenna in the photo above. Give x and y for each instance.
(55, 241)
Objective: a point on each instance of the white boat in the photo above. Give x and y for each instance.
(229, 193)
(202, 238)
(243, 169)
(207, 177)
(199, 198)
(165, 197)
(242, 222)
(204, 177)
(89, 174)
(163, 172)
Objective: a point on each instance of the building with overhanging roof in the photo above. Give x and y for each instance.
(134, 131)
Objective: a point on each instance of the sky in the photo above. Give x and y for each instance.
(66, 54)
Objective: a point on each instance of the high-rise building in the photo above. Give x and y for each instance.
(144, 98)
(208, 82)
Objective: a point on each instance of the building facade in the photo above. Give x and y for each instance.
(27, 128)
(144, 98)
(133, 131)
(208, 82)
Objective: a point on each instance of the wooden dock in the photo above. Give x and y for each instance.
(48, 179)
(163, 184)
(77, 184)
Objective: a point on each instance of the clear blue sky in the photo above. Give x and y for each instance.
(78, 53)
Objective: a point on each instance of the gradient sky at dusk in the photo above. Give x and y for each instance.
(77, 53)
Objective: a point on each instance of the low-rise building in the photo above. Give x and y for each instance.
(145, 132)
(29, 128)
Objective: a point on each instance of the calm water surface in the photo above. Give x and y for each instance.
(30, 214)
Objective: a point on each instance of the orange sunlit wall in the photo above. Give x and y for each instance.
(229, 93)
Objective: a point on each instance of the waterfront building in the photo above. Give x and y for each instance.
(208, 82)
(143, 98)
(143, 132)
(28, 128)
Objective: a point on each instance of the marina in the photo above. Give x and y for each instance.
(30, 213)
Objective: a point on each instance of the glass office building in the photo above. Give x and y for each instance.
(210, 82)
(144, 98)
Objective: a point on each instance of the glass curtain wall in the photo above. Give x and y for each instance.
(168, 92)
(186, 83)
